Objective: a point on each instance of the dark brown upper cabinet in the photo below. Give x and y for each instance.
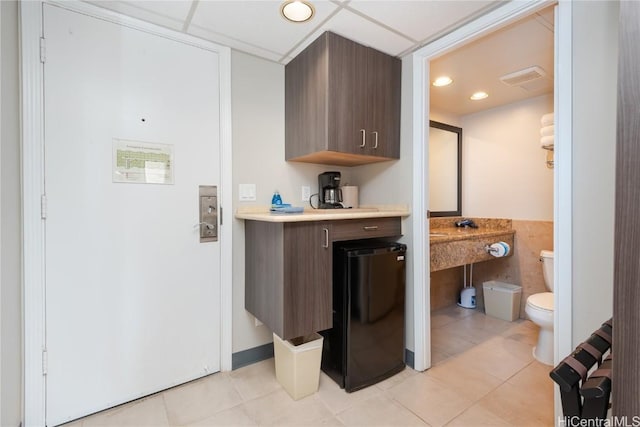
(342, 104)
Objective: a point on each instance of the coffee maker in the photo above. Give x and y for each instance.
(329, 193)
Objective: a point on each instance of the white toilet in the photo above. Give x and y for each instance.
(539, 308)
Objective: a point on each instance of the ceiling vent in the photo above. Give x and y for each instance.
(520, 78)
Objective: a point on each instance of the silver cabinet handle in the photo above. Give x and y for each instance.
(326, 237)
(370, 227)
(375, 145)
(364, 138)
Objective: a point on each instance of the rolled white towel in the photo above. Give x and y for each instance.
(547, 119)
(547, 141)
(547, 130)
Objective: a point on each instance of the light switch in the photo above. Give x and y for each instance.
(247, 192)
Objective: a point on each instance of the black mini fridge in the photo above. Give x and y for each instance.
(366, 343)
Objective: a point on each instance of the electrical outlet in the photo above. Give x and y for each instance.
(306, 193)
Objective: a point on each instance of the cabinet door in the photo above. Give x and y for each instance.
(306, 85)
(347, 96)
(384, 105)
(308, 278)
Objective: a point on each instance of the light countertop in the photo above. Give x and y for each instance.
(261, 213)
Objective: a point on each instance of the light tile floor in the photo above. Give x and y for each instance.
(483, 374)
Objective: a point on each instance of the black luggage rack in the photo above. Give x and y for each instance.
(587, 395)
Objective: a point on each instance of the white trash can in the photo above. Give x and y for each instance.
(502, 300)
(298, 364)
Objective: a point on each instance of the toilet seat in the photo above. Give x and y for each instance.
(541, 301)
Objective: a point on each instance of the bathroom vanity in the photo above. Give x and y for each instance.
(452, 246)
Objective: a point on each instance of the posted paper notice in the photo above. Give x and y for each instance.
(142, 162)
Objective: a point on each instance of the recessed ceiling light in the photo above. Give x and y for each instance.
(297, 10)
(478, 96)
(442, 81)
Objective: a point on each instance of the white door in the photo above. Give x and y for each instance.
(132, 296)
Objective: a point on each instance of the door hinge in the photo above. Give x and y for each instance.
(43, 206)
(45, 362)
(221, 216)
(43, 50)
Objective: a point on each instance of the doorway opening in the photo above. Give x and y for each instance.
(421, 78)
(506, 176)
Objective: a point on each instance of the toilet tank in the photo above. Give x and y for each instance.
(547, 268)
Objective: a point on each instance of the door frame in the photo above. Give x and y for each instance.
(33, 250)
(563, 204)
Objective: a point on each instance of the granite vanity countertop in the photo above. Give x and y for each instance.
(453, 246)
(443, 230)
(452, 234)
(383, 211)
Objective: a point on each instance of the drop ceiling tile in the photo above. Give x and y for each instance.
(361, 30)
(236, 44)
(170, 14)
(257, 24)
(420, 20)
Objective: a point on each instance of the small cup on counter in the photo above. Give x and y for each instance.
(350, 196)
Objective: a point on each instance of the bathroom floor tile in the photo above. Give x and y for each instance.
(397, 378)
(379, 411)
(448, 315)
(476, 328)
(265, 409)
(448, 343)
(255, 380)
(499, 357)
(477, 416)
(432, 400)
(308, 411)
(200, 399)
(236, 416)
(524, 331)
(468, 381)
(520, 406)
(146, 412)
(534, 377)
(438, 357)
(338, 400)
(330, 422)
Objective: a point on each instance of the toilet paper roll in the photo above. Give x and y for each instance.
(350, 196)
(499, 249)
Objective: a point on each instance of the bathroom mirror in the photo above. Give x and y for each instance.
(445, 169)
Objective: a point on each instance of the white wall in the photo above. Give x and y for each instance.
(10, 246)
(595, 59)
(444, 117)
(504, 172)
(257, 93)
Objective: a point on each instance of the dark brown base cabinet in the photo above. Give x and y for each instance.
(342, 104)
(288, 270)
